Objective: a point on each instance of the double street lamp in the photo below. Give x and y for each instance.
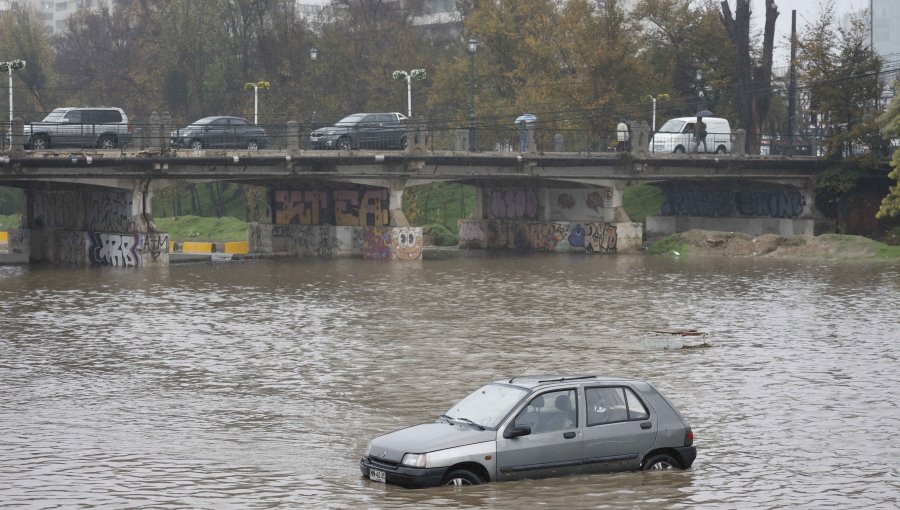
(473, 45)
(418, 74)
(261, 84)
(9, 67)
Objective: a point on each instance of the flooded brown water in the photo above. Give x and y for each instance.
(259, 383)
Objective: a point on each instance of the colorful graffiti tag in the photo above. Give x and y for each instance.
(338, 207)
(593, 237)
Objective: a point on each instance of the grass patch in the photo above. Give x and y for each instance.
(439, 235)
(642, 200)
(10, 221)
(196, 228)
(667, 244)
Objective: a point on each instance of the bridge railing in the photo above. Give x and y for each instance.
(494, 138)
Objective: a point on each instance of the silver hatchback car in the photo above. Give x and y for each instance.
(537, 427)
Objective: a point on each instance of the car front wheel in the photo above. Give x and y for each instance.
(40, 142)
(252, 145)
(106, 142)
(196, 144)
(659, 462)
(721, 149)
(462, 477)
(679, 149)
(344, 144)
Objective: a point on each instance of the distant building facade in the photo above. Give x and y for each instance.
(54, 13)
(885, 23)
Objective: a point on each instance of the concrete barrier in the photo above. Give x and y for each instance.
(237, 248)
(194, 247)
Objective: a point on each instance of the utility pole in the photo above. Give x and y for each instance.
(792, 84)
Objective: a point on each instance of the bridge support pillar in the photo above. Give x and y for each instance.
(93, 226)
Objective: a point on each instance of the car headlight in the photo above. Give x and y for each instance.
(414, 460)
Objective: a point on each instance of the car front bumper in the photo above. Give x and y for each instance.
(411, 478)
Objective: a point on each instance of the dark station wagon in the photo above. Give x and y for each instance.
(537, 427)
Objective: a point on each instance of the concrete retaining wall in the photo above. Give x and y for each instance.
(665, 225)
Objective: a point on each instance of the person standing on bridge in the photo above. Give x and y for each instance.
(700, 135)
(622, 135)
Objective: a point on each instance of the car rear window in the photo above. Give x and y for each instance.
(105, 116)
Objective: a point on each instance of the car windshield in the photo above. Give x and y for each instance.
(55, 116)
(488, 405)
(350, 120)
(673, 126)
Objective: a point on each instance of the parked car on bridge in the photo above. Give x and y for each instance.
(535, 427)
(362, 131)
(677, 135)
(101, 127)
(221, 132)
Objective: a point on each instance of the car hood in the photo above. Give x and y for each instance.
(427, 437)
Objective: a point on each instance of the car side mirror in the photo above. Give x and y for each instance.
(511, 432)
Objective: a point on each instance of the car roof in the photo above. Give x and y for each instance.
(70, 108)
(537, 381)
(216, 117)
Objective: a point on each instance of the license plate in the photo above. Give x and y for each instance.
(377, 475)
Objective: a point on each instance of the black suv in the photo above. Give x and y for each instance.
(362, 131)
(101, 127)
(221, 132)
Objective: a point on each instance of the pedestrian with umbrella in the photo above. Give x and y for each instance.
(522, 122)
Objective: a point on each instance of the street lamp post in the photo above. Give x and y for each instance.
(654, 99)
(313, 55)
(473, 45)
(418, 74)
(256, 86)
(9, 67)
(699, 87)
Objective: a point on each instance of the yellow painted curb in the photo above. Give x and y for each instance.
(191, 247)
(238, 247)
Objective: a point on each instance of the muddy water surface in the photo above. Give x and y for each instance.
(258, 384)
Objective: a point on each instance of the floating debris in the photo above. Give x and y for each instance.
(681, 332)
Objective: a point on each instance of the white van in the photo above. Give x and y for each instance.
(677, 135)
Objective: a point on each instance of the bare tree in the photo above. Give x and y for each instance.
(753, 93)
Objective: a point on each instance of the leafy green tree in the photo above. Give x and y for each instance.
(684, 36)
(23, 36)
(890, 126)
(842, 76)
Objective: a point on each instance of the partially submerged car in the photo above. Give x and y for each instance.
(537, 427)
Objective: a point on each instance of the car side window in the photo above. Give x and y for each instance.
(219, 123)
(547, 412)
(74, 117)
(238, 123)
(386, 120)
(605, 405)
(106, 116)
(636, 409)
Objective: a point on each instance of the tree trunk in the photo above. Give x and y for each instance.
(753, 93)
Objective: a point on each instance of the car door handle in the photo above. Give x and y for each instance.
(569, 435)
(646, 425)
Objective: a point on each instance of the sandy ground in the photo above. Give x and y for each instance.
(735, 244)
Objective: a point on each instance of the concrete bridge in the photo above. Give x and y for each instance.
(94, 207)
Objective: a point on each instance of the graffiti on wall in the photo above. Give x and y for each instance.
(338, 207)
(590, 237)
(69, 247)
(719, 204)
(109, 211)
(471, 231)
(104, 210)
(157, 245)
(407, 243)
(518, 203)
(578, 204)
(117, 250)
(402, 243)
